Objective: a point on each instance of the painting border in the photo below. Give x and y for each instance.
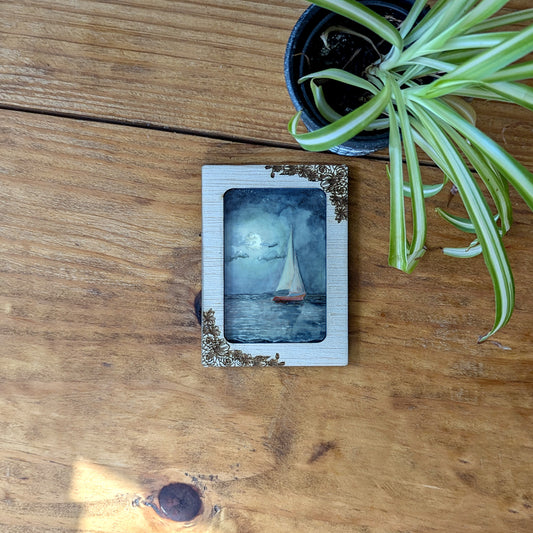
(216, 350)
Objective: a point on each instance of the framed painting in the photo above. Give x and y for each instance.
(274, 265)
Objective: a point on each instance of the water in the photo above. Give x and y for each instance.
(252, 318)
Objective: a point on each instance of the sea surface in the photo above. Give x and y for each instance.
(253, 318)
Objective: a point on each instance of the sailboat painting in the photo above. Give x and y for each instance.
(275, 265)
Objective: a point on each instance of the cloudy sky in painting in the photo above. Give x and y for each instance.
(257, 225)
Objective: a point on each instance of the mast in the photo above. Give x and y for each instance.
(291, 279)
(288, 270)
(297, 284)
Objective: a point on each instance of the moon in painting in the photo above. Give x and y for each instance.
(257, 226)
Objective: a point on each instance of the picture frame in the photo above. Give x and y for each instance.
(274, 265)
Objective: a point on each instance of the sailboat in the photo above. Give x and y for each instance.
(291, 280)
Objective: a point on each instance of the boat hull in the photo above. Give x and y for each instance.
(291, 298)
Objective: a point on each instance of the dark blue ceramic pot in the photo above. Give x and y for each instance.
(302, 43)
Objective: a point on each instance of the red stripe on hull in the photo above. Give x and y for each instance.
(295, 298)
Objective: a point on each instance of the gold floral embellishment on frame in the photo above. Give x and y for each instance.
(216, 350)
(332, 178)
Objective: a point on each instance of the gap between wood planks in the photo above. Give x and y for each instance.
(170, 129)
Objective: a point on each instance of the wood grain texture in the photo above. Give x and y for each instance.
(103, 398)
(212, 68)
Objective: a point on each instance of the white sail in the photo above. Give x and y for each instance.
(291, 280)
(297, 284)
(288, 270)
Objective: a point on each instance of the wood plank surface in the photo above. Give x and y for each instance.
(103, 399)
(213, 68)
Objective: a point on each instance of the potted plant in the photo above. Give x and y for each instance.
(322, 39)
(425, 65)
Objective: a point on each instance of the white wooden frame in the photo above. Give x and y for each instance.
(216, 350)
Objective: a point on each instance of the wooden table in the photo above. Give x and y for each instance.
(108, 110)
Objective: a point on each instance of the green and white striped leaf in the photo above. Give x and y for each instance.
(338, 74)
(456, 18)
(479, 213)
(397, 232)
(513, 92)
(489, 61)
(498, 187)
(363, 15)
(322, 106)
(477, 40)
(464, 253)
(462, 107)
(523, 15)
(412, 16)
(416, 249)
(427, 190)
(342, 129)
(516, 93)
(517, 175)
(515, 72)
(440, 17)
(463, 224)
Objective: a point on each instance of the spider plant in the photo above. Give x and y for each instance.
(456, 50)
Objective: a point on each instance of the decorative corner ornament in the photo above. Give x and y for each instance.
(332, 178)
(216, 351)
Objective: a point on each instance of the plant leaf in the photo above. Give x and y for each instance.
(498, 188)
(462, 107)
(489, 61)
(476, 40)
(479, 213)
(338, 74)
(517, 93)
(523, 15)
(416, 249)
(517, 175)
(322, 106)
(461, 223)
(440, 16)
(363, 15)
(412, 16)
(431, 64)
(515, 72)
(513, 92)
(378, 124)
(456, 18)
(397, 234)
(472, 16)
(470, 251)
(342, 129)
(428, 190)
(421, 138)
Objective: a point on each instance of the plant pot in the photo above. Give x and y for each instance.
(303, 56)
